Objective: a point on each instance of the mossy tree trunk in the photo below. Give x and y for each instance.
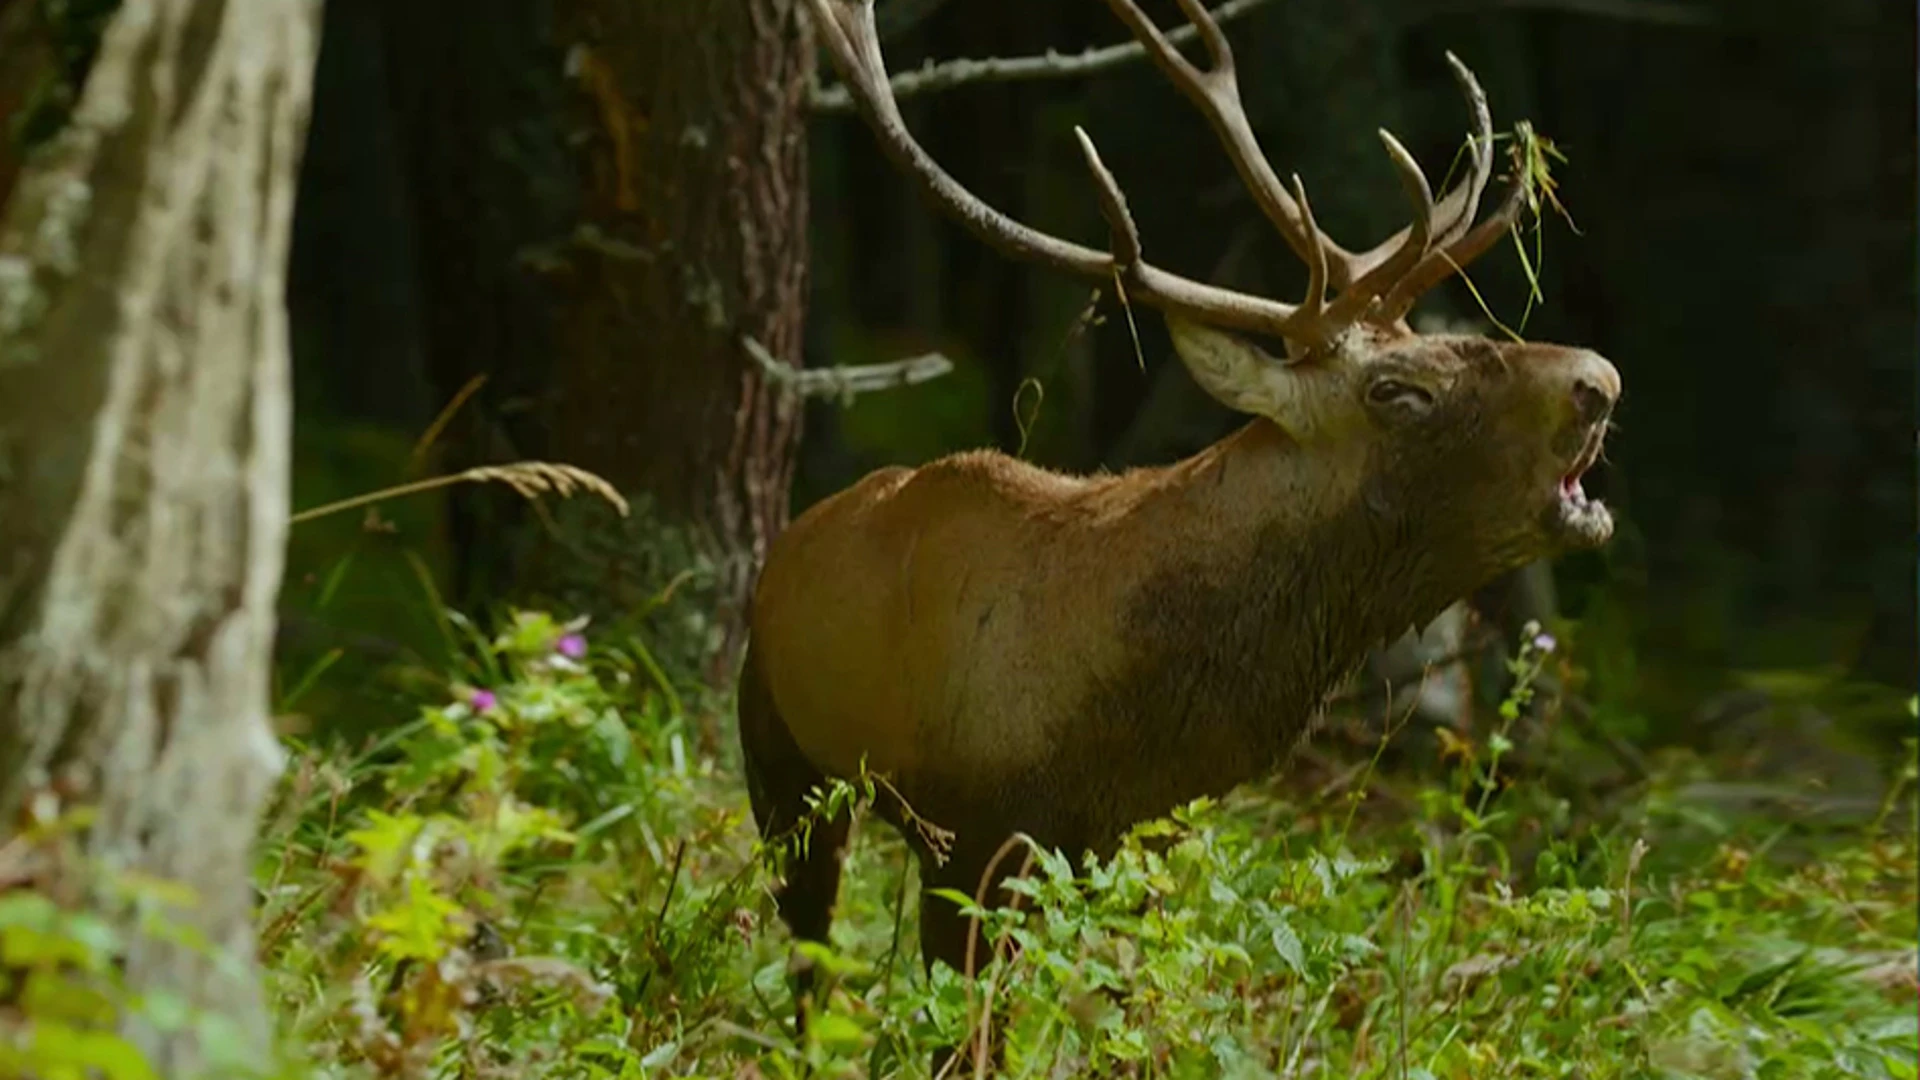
(144, 435)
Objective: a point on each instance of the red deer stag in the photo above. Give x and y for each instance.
(1017, 650)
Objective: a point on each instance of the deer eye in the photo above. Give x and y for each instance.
(1395, 392)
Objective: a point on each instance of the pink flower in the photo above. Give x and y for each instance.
(482, 700)
(1544, 642)
(572, 646)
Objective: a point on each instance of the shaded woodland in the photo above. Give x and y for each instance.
(1738, 189)
(572, 291)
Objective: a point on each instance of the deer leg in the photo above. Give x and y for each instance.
(779, 778)
(806, 901)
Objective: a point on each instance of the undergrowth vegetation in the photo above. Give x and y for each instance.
(541, 874)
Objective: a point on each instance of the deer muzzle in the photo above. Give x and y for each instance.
(1575, 519)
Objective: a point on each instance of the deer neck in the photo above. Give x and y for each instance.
(1284, 567)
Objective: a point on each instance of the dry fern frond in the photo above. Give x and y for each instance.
(528, 479)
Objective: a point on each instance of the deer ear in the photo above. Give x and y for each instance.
(1246, 378)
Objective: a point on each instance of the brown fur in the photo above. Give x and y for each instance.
(1020, 650)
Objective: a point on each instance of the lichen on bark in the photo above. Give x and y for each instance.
(143, 512)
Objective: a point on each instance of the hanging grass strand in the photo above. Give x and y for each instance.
(529, 479)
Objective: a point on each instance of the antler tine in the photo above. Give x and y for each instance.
(1359, 278)
(1443, 261)
(1314, 325)
(847, 28)
(1316, 266)
(1454, 214)
(1459, 216)
(1211, 36)
(1216, 93)
(1357, 297)
(1113, 206)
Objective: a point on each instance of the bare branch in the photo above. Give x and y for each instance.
(845, 381)
(846, 28)
(1656, 12)
(948, 74)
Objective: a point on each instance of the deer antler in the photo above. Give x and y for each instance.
(1359, 277)
(1440, 240)
(848, 29)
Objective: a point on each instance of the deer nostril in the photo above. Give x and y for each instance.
(1590, 402)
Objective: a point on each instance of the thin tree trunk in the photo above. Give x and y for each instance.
(610, 198)
(698, 174)
(144, 423)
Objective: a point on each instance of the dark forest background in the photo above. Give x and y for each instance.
(562, 273)
(551, 230)
(1739, 185)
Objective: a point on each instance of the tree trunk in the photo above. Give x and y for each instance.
(696, 178)
(144, 423)
(600, 248)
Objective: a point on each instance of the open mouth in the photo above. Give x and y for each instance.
(1577, 519)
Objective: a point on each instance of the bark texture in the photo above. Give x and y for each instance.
(696, 178)
(144, 423)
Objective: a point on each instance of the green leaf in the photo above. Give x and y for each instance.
(1287, 944)
(65, 1050)
(385, 843)
(28, 909)
(425, 927)
(659, 1056)
(1760, 978)
(965, 902)
(836, 1030)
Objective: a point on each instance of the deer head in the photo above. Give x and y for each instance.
(1506, 427)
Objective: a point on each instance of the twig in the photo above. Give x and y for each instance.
(945, 75)
(973, 937)
(1049, 65)
(985, 1030)
(844, 381)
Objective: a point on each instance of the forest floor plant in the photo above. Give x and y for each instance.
(536, 877)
